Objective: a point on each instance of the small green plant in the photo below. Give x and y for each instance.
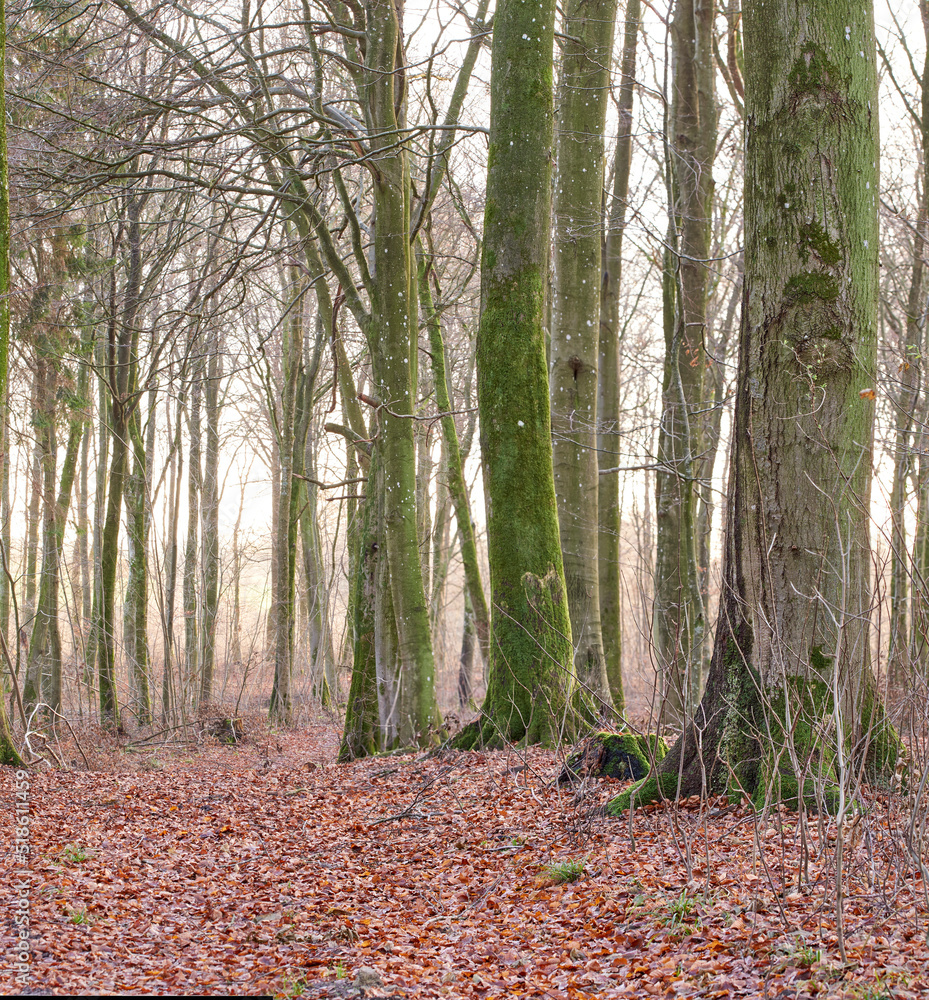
(340, 971)
(78, 915)
(680, 911)
(564, 871)
(74, 854)
(876, 992)
(805, 957)
(293, 986)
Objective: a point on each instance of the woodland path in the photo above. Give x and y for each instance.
(268, 869)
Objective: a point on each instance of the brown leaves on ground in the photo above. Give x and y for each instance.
(268, 869)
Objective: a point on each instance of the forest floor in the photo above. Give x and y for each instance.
(266, 868)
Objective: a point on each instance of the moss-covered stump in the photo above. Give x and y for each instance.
(625, 756)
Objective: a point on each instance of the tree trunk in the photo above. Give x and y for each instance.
(911, 372)
(45, 644)
(122, 377)
(171, 684)
(455, 465)
(609, 403)
(100, 479)
(392, 341)
(32, 522)
(9, 755)
(135, 606)
(531, 674)
(191, 677)
(588, 45)
(209, 518)
(791, 709)
(285, 540)
(679, 616)
(363, 734)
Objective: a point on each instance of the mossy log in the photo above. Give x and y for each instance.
(625, 756)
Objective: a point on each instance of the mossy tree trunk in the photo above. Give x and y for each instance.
(393, 344)
(608, 375)
(43, 676)
(531, 678)
(679, 624)
(791, 706)
(575, 326)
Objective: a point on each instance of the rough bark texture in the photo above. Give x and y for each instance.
(608, 382)
(575, 323)
(791, 708)
(531, 673)
(679, 621)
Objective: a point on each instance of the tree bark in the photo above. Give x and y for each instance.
(679, 616)
(209, 516)
(575, 309)
(609, 402)
(791, 709)
(8, 753)
(392, 341)
(531, 675)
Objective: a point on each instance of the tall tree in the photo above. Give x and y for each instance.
(608, 375)
(584, 89)
(8, 752)
(790, 696)
(531, 677)
(679, 617)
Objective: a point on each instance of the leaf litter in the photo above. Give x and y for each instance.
(265, 868)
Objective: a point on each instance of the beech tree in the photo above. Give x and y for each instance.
(679, 616)
(791, 708)
(608, 374)
(575, 321)
(531, 679)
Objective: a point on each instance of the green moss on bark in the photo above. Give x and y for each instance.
(623, 756)
(655, 788)
(812, 286)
